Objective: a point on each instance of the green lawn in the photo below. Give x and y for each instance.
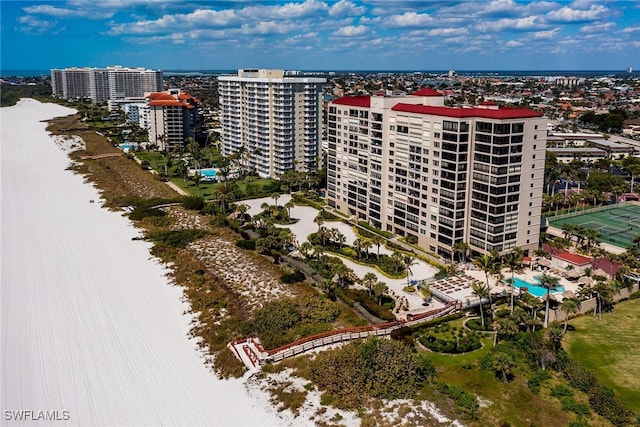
(610, 349)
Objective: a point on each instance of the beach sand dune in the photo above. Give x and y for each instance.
(90, 324)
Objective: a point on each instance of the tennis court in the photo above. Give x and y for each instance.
(618, 224)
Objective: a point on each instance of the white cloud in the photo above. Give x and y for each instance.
(60, 12)
(32, 25)
(529, 23)
(514, 43)
(352, 31)
(597, 28)
(308, 9)
(346, 8)
(567, 14)
(447, 32)
(630, 30)
(549, 34)
(409, 19)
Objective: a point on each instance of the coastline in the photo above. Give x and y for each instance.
(90, 323)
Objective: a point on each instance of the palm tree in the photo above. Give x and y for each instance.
(366, 245)
(197, 179)
(397, 259)
(604, 291)
(409, 261)
(319, 220)
(480, 290)
(357, 244)
(275, 197)
(377, 240)
(503, 362)
(489, 264)
(513, 260)
(379, 289)
(369, 280)
(323, 233)
(305, 249)
(340, 239)
(461, 248)
(549, 283)
(288, 206)
(569, 306)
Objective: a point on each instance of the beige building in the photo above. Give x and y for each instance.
(273, 120)
(173, 117)
(412, 166)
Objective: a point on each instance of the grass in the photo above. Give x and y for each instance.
(609, 347)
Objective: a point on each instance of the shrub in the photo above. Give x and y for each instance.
(536, 380)
(176, 238)
(194, 203)
(561, 391)
(570, 404)
(466, 402)
(140, 212)
(295, 277)
(246, 244)
(635, 295)
(476, 325)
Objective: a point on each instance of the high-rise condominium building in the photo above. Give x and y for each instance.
(412, 166)
(273, 121)
(173, 117)
(104, 84)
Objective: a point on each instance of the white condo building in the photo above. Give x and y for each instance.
(412, 166)
(105, 84)
(275, 121)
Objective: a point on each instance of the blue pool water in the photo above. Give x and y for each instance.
(126, 147)
(535, 289)
(210, 172)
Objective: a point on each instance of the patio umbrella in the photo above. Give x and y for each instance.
(585, 280)
(568, 294)
(551, 297)
(544, 262)
(573, 274)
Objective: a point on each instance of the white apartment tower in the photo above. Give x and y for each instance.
(104, 84)
(273, 120)
(412, 166)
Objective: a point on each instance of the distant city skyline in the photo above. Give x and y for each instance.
(322, 35)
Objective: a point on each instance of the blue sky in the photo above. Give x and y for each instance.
(322, 35)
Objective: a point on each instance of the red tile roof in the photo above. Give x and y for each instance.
(427, 91)
(169, 103)
(572, 258)
(502, 113)
(354, 101)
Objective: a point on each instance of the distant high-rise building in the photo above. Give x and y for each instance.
(273, 120)
(172, 117)
(104, 84)
(413, 167)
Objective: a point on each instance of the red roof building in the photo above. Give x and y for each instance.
(173, 117)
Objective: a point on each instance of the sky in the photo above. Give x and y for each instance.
(411, 35)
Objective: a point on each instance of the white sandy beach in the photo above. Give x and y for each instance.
(90, 324)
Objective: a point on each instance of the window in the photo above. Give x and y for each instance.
(403, 129)
(392, 128)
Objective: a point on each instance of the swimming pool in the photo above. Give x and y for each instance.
(209, 172)
(126, 147)
(534, 288)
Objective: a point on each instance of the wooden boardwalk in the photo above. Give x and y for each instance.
(252, 354)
